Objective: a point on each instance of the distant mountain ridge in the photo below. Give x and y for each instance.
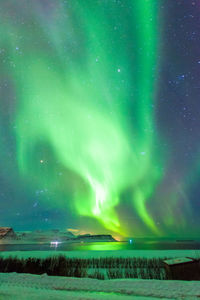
(55, 235)
(99, 237)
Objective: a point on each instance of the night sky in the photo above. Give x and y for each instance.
(100, 116)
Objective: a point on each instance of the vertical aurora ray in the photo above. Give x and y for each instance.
(76, 88)
(147, 40)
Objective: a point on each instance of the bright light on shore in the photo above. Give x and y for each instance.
(55, 244)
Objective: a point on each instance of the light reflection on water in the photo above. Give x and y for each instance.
(137, 244)
(101, 246)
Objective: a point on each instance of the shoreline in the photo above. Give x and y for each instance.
(49, 242)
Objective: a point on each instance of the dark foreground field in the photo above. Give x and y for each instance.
(100, 268)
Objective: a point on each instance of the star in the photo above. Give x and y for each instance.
(143, 153)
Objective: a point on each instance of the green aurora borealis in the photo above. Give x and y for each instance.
(84, 77)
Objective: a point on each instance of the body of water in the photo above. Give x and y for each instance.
(132, 244)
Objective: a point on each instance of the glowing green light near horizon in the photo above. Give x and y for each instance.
(76, 100)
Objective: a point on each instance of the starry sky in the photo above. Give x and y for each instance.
(100, 116)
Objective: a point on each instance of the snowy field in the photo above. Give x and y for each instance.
(96, 254)
(42, 287)
(15, 286)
